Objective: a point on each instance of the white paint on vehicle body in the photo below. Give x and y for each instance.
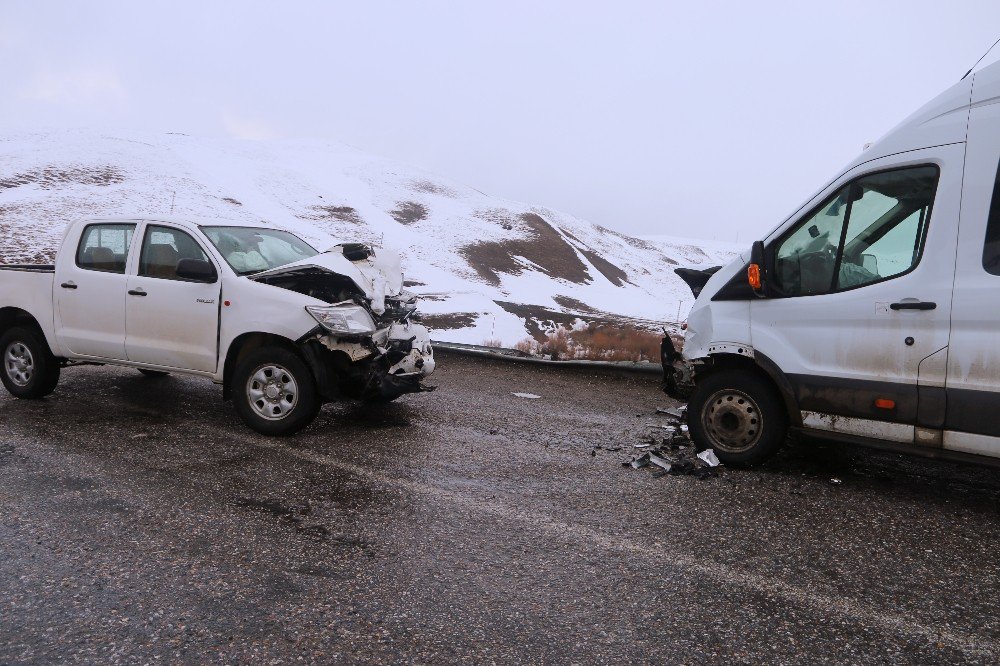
(893, 432)
(966, 442)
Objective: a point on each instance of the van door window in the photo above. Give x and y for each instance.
(991, 249)
(871, 230)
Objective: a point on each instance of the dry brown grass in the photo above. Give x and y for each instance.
(597, 342)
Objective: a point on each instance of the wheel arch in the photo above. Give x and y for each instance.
(11, 316)
(244, 344)
(762, 366)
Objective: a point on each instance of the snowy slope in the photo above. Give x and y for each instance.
(487, 268)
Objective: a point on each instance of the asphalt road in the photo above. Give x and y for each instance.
(139, 521)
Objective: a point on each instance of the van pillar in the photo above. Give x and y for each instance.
(931, 400)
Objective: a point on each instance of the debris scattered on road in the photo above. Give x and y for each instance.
(708, 455)
(675, 455)
(528, 396)
(835, 481)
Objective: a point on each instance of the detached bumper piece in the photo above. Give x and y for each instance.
(678, 374)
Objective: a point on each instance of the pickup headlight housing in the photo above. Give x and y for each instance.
(348, 319)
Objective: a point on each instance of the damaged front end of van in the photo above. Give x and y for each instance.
(680, 368)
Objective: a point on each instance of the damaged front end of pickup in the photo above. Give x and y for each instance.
(366, 345)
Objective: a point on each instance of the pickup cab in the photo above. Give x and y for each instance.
(281, 326)
(871, 314)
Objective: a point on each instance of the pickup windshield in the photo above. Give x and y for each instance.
(252, 249)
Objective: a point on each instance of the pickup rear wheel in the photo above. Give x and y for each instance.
(274, 391)
(30, 371)
(740, 415)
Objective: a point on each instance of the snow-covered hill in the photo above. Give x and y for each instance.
(487, 268)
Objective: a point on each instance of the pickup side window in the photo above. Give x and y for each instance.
(162, 250)
(104, 247)
(872, 229)
(991, 249)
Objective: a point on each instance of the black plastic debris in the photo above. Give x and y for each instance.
(678, 413)
(638, 463)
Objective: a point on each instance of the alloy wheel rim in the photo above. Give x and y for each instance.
(272, 391)
(732, 421)
(19, 363)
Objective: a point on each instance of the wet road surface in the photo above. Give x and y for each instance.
(139, 520)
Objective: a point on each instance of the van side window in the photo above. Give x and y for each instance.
(871, 230)
(162, 250)
(104, 247)
(991, 249)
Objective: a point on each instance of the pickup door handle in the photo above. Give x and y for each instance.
(136, 292)
(68, 285)
(913, 305)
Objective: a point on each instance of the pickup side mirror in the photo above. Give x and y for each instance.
(756, 274)
(196, 270)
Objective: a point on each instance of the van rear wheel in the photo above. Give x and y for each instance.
(739, 415)
(30, 371)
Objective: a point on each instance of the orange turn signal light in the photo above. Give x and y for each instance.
(885, 403)
(753, 276)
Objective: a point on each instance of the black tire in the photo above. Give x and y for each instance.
(153, 373)
(740, 415)
(286, 416)
(29, 371)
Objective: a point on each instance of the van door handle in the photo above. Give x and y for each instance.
(136, 292)
(68, 285)
(913, 305)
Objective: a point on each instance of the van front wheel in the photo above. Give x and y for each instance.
(740, 415)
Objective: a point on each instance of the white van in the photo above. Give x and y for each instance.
(872, 314)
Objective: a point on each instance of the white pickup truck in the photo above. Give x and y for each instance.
(282, 326)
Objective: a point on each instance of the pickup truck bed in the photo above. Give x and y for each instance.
(34, 268)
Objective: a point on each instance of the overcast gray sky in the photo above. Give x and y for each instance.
(700, 119)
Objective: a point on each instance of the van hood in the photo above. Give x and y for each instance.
(376, 274)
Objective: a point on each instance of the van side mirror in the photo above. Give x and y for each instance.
(196, 270)
(755, 272)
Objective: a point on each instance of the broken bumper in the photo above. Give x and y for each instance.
(678, 374)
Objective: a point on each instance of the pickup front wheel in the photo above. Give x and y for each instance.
(274, 391)
(30, 370)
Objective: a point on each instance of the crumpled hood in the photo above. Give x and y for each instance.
(377, 276)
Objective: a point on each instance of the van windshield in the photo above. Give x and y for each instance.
(252, 249)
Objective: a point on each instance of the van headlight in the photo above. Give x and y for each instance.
(343, 319)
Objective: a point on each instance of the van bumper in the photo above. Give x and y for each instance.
(678, 374)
